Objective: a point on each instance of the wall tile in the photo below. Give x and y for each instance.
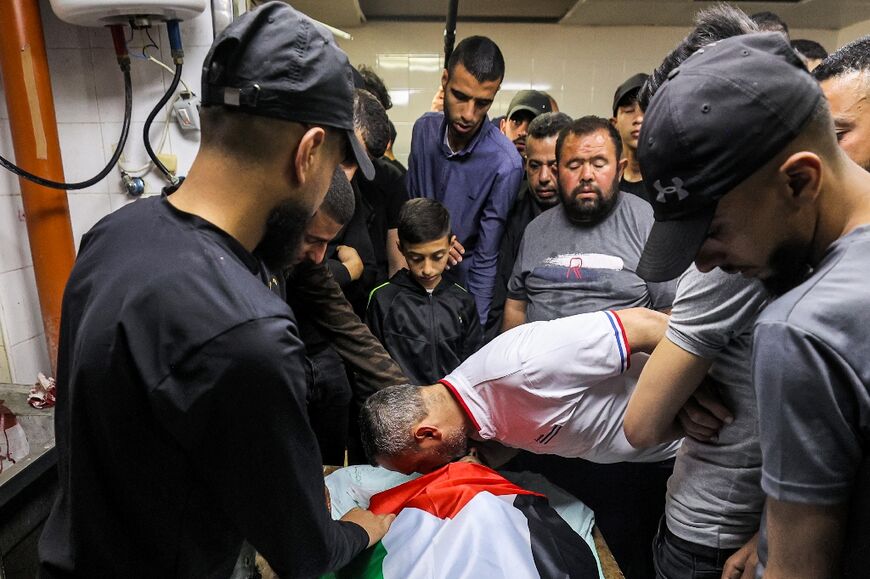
(148, 86)
(81, 145)
(85, 209)
(5, 367)
(14, 245)
(20, 305)
(394, 69)
(29, 359)
(424, 71)
(72, 79)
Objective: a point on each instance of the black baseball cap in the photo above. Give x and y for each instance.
(276, 62)
(718, 118)
(632, 85)
(533, 101)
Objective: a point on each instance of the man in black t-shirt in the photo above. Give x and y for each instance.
(180, 422)
(628, 118)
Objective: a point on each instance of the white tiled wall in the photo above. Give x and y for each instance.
(579, 66)
(89, 103)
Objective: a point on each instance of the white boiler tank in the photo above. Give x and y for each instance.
(105, 12)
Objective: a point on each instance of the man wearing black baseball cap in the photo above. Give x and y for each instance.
(739, 150)
(628, 118)
(181, 415)
(522, 110)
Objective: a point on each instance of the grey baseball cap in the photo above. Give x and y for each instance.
(718, 118)
(276, 62)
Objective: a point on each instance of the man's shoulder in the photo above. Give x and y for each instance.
(635, 205)
(546, 220)
(429, 121)
(504, 153)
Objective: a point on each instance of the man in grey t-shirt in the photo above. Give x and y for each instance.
(581, 255)
(780, 201)
(714, 498)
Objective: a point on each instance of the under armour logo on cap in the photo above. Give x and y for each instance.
(672, 193)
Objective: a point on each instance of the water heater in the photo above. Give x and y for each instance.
(105, 12)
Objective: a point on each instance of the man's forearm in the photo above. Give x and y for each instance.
(350, 338)
(804, 541)
(514, 314)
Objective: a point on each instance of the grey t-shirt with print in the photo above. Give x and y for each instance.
(714, 495)
(811, 368)
(564, 269)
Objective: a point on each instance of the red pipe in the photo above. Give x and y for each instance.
(26, 81)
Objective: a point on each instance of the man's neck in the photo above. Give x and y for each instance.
(457, 142)
(632, 169)
(451, 410)
(848, 210)
(230, 197)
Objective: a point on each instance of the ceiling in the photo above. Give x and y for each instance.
(824, 14)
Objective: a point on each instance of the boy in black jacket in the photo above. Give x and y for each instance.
(428, 325)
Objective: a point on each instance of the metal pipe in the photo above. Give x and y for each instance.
(450, 30)
(27, 84)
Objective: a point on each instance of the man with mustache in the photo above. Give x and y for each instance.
(522, 110)
(461, 159)
(581, 257)
(181, 420)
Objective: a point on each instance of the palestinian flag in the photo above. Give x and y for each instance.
(466, 521)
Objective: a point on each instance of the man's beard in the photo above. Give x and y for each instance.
(590, 212)
(284, 230)
(788, 266)
(454, 445)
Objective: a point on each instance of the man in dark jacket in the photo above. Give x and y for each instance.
(428, 325)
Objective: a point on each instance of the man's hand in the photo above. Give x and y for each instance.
(438, 101)
(350, 259)
(375, 525)
(741, 565)
(704, 414)
(456, 253)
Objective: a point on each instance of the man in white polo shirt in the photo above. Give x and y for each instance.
(556, 387)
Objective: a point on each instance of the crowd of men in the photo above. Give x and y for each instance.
(222, 342)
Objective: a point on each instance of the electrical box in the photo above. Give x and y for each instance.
(105, 12)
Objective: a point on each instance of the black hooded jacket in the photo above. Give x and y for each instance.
(429, 335)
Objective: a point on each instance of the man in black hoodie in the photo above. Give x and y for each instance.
(428, 325)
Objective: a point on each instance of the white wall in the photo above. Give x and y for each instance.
(579, 66)
(854, 32)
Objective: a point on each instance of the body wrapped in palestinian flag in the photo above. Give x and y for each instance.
(466, 521)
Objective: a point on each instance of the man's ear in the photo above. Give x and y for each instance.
(445, 76)
(310, 147)
(426, 435)
(501, 124)
(620, 167)
(803, 173)
(613, 121)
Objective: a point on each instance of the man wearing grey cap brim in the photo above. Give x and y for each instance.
(739, 150)
(181, 418)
